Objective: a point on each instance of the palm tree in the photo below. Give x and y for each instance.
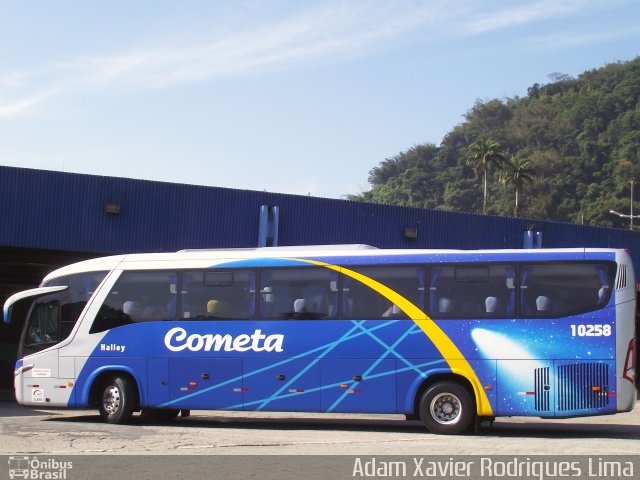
(480, 155)
(517, 170)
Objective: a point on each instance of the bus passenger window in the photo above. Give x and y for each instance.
(138, 297)
(298, 293)
(218, 295)
(559, 289)
(363, 302)
(478, 291)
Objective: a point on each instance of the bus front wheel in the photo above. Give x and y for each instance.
(117, 400)
(447, 408)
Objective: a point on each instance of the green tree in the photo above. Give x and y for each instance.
(409, 179)
(581, 135)
(481, 154)
(517, 171)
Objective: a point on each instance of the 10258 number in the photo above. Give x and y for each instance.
(587, 330)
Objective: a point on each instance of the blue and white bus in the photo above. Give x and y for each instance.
(450, 337)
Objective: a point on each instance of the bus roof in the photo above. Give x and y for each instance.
(203, 258)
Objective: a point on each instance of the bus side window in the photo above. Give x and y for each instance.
(218, 295)
(298, 293)
(363, 302)
(560, 289)
(138, 297)
(472, 291)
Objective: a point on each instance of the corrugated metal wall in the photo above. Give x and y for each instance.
(63, 211)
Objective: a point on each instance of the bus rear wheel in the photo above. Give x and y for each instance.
(117, 400)
(447, 408)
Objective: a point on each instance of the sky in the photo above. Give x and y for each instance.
(299, 97)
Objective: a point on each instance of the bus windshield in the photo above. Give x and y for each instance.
(51, 317)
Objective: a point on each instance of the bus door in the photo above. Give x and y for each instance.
(45, 374)
(37, 378)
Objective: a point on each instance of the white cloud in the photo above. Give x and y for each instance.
(22, 105)
(331, 31)
(569, 38)
(334, 30)
(15, 79)
(514, 16)
(339, 30)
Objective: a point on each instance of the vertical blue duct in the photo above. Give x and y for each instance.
(268, 229)
(532, 239)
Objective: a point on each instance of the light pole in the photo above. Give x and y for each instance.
(631, 216)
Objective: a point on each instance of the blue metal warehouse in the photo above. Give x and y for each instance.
(67, 212)
(48, 219)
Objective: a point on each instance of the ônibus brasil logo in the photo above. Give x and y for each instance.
(34, 468)
(177, 340)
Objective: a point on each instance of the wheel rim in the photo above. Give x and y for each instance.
(446, 408)
(111, 399)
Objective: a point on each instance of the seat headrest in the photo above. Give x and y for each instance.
(543, 303)
(132, 308)
(219, 308)
(300, 305)
(491, 304)
(445, 305)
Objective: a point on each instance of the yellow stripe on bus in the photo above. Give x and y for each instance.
(451, 354)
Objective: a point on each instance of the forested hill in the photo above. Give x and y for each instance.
(579, 138)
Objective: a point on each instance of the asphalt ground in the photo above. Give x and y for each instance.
(27, 431)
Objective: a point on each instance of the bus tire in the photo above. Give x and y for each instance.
(117, 400)
(447, 408)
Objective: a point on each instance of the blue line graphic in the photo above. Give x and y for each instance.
(322, 348)
(389, 349)
(337, 384)
(311, 364)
